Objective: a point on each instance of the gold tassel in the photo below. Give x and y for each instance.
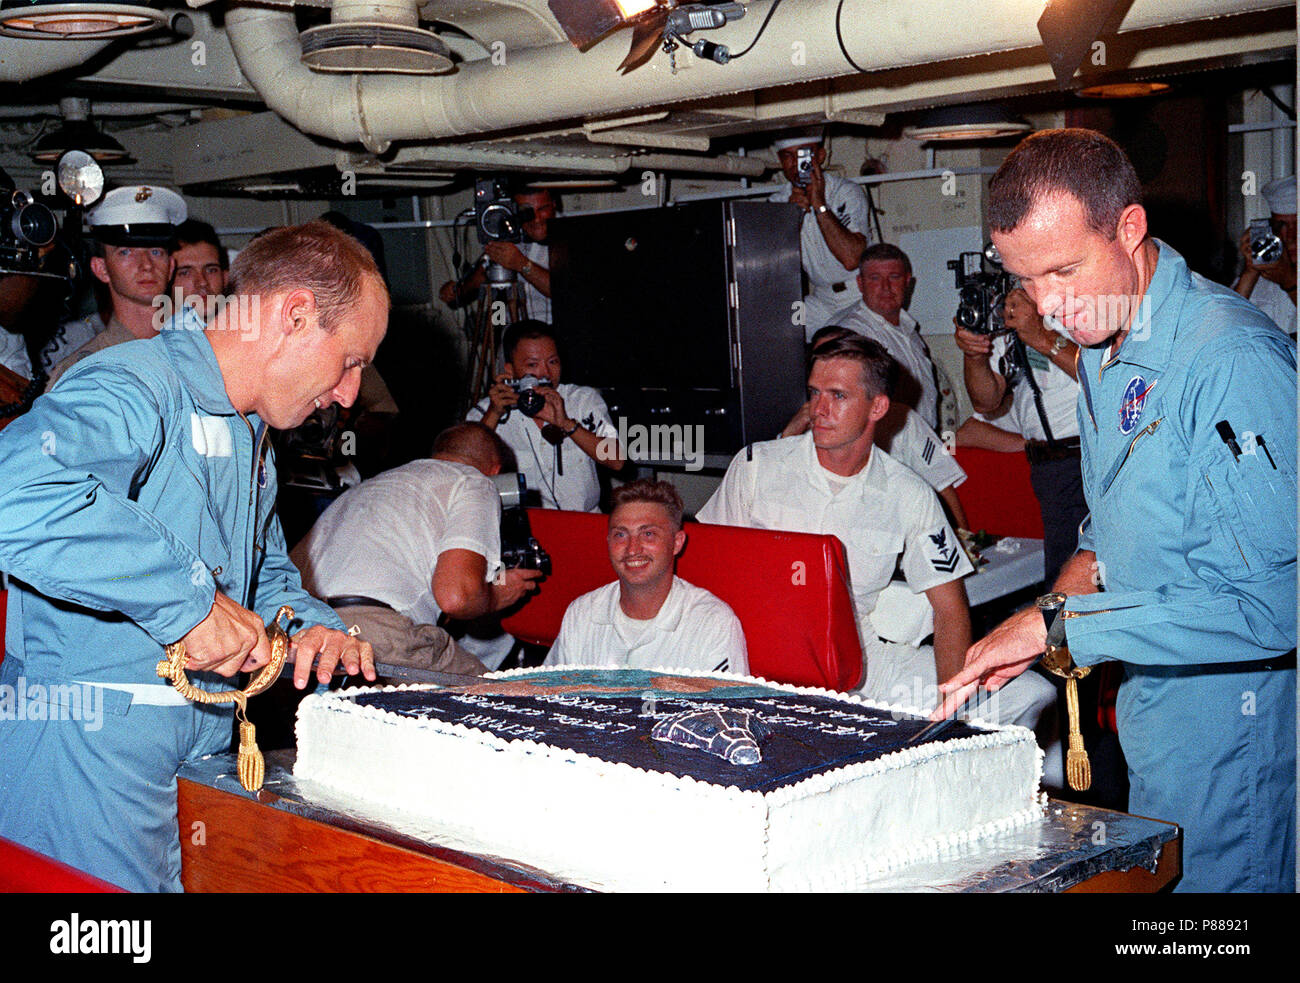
(1078, 772)
(252, 766)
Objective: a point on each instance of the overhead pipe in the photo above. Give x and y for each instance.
(557, 82)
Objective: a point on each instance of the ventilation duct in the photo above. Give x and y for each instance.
(366, 36)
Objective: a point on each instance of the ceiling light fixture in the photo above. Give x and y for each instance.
(966, 123)
(1123, 90)
(40, 20)
(77, 132)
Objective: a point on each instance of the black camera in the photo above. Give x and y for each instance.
(803, 166)
(531, 402)
(1265, 246)
(496, 215)
(519, 550)
(26, 226)
(982, 288)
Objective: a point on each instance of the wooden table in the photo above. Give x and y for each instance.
(282, 839)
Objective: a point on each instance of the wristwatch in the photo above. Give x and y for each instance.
(570, 433)
(822, 209)
(526, 268)
(1058, 345)
(1052, 607)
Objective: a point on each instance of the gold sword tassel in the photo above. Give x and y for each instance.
(251, 765)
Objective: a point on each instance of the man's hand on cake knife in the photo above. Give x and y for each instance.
(995, 660)
(328, 648)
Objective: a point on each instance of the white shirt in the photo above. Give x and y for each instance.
(1060, 397)
(1276, 303)
(383, 538)
(848, 202)
(884, 515)
(578, 487)
(694, 630)
(13, 353)
(918, 447)
(539, 305)
(917, 383)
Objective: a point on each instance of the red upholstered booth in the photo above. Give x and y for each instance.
(24, 872)
(789, 590)
(997, 495)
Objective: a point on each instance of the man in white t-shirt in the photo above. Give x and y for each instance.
(396, 552)
(885, 281)
(1271, 286)
(530, 259)
(557, 450)
(834, 231)
(649, 618)
(832, 480)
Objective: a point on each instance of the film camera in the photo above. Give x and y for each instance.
(982, 288)
(1265, 246)
(519, 550)
(531, 402)
(26, 226)
(803, 166)
(496, 215)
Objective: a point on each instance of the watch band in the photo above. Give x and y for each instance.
(1052, 606)
(570, 433)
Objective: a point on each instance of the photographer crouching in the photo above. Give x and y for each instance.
(1021, 378)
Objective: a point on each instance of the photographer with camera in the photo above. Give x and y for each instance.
(401, 549)
(834, 231)
(1268, 246)
(558, 431)
(1020, 375)
(530, 259)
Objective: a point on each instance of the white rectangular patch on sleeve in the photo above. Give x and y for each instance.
(210, 436)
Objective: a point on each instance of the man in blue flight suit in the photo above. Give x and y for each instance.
(1186, 569)
(137, 509)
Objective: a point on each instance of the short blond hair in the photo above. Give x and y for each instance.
(315, 256)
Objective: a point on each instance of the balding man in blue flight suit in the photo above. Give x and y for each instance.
(1186, 570)
(137, 509)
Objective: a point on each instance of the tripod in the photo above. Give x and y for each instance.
(500, 302)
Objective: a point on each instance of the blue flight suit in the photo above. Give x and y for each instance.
(132, 492)
(1197, 557)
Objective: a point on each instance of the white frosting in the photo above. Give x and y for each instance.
(614, 826)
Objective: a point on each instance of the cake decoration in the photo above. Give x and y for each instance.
(733, 735)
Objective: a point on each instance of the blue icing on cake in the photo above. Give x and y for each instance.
(609, 714)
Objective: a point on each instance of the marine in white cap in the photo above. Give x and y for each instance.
(133, 236)
(1271, 286)
(834, 231)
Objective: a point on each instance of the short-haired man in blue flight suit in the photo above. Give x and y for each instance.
(138, 509)
(1186, 569)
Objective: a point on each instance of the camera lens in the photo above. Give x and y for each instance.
(531, 402)
(34, 224)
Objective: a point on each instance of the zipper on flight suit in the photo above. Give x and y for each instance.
(1150, 428)
(1235, 542)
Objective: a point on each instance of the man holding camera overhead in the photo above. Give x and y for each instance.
(834, 231)
(558, 431)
